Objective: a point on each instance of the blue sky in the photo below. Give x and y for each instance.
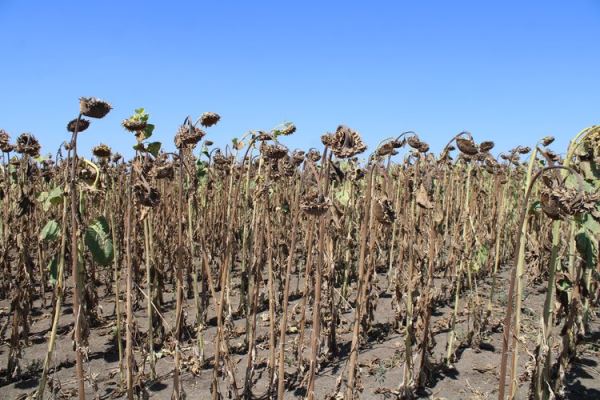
(511, 71)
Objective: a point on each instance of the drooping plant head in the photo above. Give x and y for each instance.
(5, 146)
(285, 129)
(102, 151)
(345, 142)
(138, 125)
(78, 124)
(28, 144)
(93, 107)
(209, 119)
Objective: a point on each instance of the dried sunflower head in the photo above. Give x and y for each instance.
(547, 141)
(117, 157)
(273, 151)
(423, 148)
(287, 166)
(347, 143)
(188, 135)
(560, 201)
(209, 119)
(87, 175)
(414, 142)
(28, 144)
(315, 204)
(262, 136)
(486, 146)
(102, 151)
(93, 107)
(467, 146)
(287, 129)
(386, 149)
(550, 205)
(383, 211)
(327, 139)
(5, 146)
(298, 157)
(165, 171)
(81, 124)
(146, 195)
(313, 155)
(222, 162)
(134, 125)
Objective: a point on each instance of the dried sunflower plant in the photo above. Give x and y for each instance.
(254, 270)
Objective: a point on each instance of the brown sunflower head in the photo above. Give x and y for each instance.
(327, 139)
(263, 136)
(102, 151)
(298, 157)
(523, 149)
(347, 143)
(423, 148)
(313, 155)
(550, 205)
(221, 162)
(209, 119)
(188, 135)
(386, 149)
(552, 156)
(273, 151)
(560, 201)
(315, 204)
(414, 142)
(383, 211)
(80, 124)
(117, 157)
(486, 146)
(467, 146)
(164, 171)
(547, 141)
(93, 107)
(28, 144)
(87, 175)
(5, 146)
(134, 125)
(146, 195)
(286, 166)
(286, 129)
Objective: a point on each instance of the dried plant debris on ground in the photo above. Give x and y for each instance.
(259, 271)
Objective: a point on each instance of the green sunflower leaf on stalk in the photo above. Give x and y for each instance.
(98, 241)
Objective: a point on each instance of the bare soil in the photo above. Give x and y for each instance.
(473, 376)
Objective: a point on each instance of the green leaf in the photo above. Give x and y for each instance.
(481, 257)
(153, 148)
(201, 168)
(55, 196)
(343, 195)
(98, 241)
(148, 131)
(590, 224)
(51, 198)
(205, 150)
(587, 247)
(53, 270)
(50, 231)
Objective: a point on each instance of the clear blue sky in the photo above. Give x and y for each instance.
(511, 71)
